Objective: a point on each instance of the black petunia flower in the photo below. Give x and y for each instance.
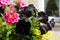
(43, 17)
(23, 27)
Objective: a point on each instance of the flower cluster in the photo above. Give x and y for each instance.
(4, 2)
(11, 17)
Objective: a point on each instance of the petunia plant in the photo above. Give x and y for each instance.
(21, 22)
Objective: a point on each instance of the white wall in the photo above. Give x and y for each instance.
(41, 5)
(35, 2)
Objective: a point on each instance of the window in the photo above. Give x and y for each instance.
(52, 7)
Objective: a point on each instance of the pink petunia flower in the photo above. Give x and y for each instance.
(11, 17)
(22, 3)
(4, 2)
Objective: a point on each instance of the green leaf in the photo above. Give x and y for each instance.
(16, 1)
(9, 27)
(9, 32)
(8, 9)
(34, 38)
(3, 23)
